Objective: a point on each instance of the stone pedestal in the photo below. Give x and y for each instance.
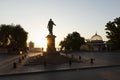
(51, 44)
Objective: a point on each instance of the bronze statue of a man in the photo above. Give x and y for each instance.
(50, 26)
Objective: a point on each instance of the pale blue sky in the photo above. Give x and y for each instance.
(83, 16)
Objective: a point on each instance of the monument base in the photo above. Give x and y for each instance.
(51, 44)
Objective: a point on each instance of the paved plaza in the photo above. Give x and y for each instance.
(106, 66)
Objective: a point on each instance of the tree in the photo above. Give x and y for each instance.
(5, 35)
(19, 37)
(72, 42)
(113, 33)
(13, 36)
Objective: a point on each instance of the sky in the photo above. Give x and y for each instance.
(84, 16)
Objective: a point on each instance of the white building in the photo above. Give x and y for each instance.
(96, 43)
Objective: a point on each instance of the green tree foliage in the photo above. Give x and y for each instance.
(13, 36)
(113, 33)
(72, 42)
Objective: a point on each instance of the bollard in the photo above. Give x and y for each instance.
(70, 62)
(79, 58)
(92, 61)
(22, 57)
(19, 60)
(72, 56)
(25, 55)
(45, 64)
(40, 55)
(66, 54)
(14, 65)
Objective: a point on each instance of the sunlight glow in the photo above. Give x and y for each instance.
(39, 40)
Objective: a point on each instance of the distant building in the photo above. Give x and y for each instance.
(31, 46)
(96, 43)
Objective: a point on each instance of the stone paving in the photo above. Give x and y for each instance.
(101, 60)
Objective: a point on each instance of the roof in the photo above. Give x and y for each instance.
(96, 37)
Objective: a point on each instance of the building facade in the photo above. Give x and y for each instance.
(96, 43)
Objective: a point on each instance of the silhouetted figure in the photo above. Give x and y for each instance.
(50, 26)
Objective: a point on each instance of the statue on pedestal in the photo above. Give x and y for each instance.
(51, 38)
(50, 26)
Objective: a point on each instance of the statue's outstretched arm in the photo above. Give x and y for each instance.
(54, 24)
